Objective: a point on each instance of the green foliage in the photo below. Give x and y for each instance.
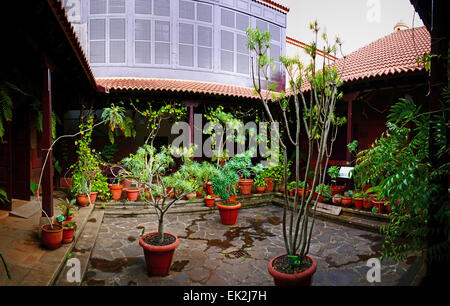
(67, 207)
(3, 196)
(333, 172)
(6, 104)
(325, 191)
(259, 181)
(224, 183)
(352, 146)
(5, 265)
(108, 152)
(242, 165)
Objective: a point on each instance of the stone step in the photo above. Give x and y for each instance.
(83, 249)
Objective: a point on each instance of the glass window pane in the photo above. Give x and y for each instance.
(227, 61)
(97, 29)
(187, 9)
(97, 52)
(227, 18)
(143, 29)
(117, 52)
(204, 12)
(142, 52)
(97, 7)
(162, 53)
(205, 36)
(116, 6)
(227, 40)
(162, 31)
(243, 64)
(262, 25)
(117, 29)
(186, 33)
(143, 6)
(186, 55)
(275, 52)
(205, 58)
(242, 22)
(161, 7)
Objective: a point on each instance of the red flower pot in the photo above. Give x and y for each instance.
(358, 203)
(337, 200)
(228, 214)
(300, 192)
(83, 199)
(116, 191)
(209, 188)
(246, 186)
(158, 258)
(191, 195)
(379, 205)
(346, 201)
(337, 190)
(270, 185)
(209, 201)
(299, 279)
(282, 189)
(52, 238)
(367, 204)
(315, 197)
(260, 189)
(388, 207)
(132, 194)
(291, 193)
(68, 233)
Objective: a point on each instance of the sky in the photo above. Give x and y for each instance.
(356, 22)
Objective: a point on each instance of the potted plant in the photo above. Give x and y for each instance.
(337, 199)
(148, 167)
(52, 235)
(69, 228)
(86, 196)
(67, 208)
(242, 165)
(346, 200)
(325, 193)
(209, 200)
(358, 199)
(291, 188)
(315, 111)
(260, 184)
(224, 187)
(132, 193)
(333, 172)
(116, 190)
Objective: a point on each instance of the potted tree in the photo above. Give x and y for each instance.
(224, 186)
(315, 113)
(260, 184)
(148, 167)
(242, 165)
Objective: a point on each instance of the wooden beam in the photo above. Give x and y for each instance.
(349, 98)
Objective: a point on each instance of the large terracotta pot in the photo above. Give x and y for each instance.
(52, 238)
(346, 201)
(116, 191)
(260, 189)
(358, 203)
(191, 195)
(300, 279)
(228, 214)
(209, 202)
(68, 233)
(132, 194)
(337, 200)
(246, 186)
(158, 258)
(379, 205)
(367, 203)
(83, 199)
(269, 184)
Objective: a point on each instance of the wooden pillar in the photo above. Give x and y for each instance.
(46, 142)
(191, 106)
(349, 98)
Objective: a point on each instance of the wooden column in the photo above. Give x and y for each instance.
(349, 98)
(191, 106)
(46, 142)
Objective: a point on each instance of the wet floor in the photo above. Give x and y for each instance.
(214, 254)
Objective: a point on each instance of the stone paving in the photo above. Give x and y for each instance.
(213, 254)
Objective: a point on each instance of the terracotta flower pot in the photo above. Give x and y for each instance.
(346, 202)
(158, 258)
(52, 238)
(172, 194)
(282, 189)
(270, 185)
(299, 279)
(191, 195)
(116, 191)
(337, 200)
(228, 214)
(132, 194)
(379, 205)
(291, 193)
(209, 202)
(246, 186)
(68, 233)
(83, 199)
(358, 203)
(260, 189)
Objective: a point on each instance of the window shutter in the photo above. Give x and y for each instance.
(262, 25)
(275, 31)
(242, 22)
(204, 12)
(162, 30)
(205, 36)
(143, 29)
(97, 7)
(205, 58)
(143, 52)
(227, 40)
(97, 29)
(161, 7)
(97, 52)
(227, 61)
(186, 55)
(187, 10)
(162, 53)
(143, 6)
(186, 33)
(117, 52)
(116, 6)
(275, 52)
(227, 18)
(243, 63)
(117, 28)
(242, 44)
